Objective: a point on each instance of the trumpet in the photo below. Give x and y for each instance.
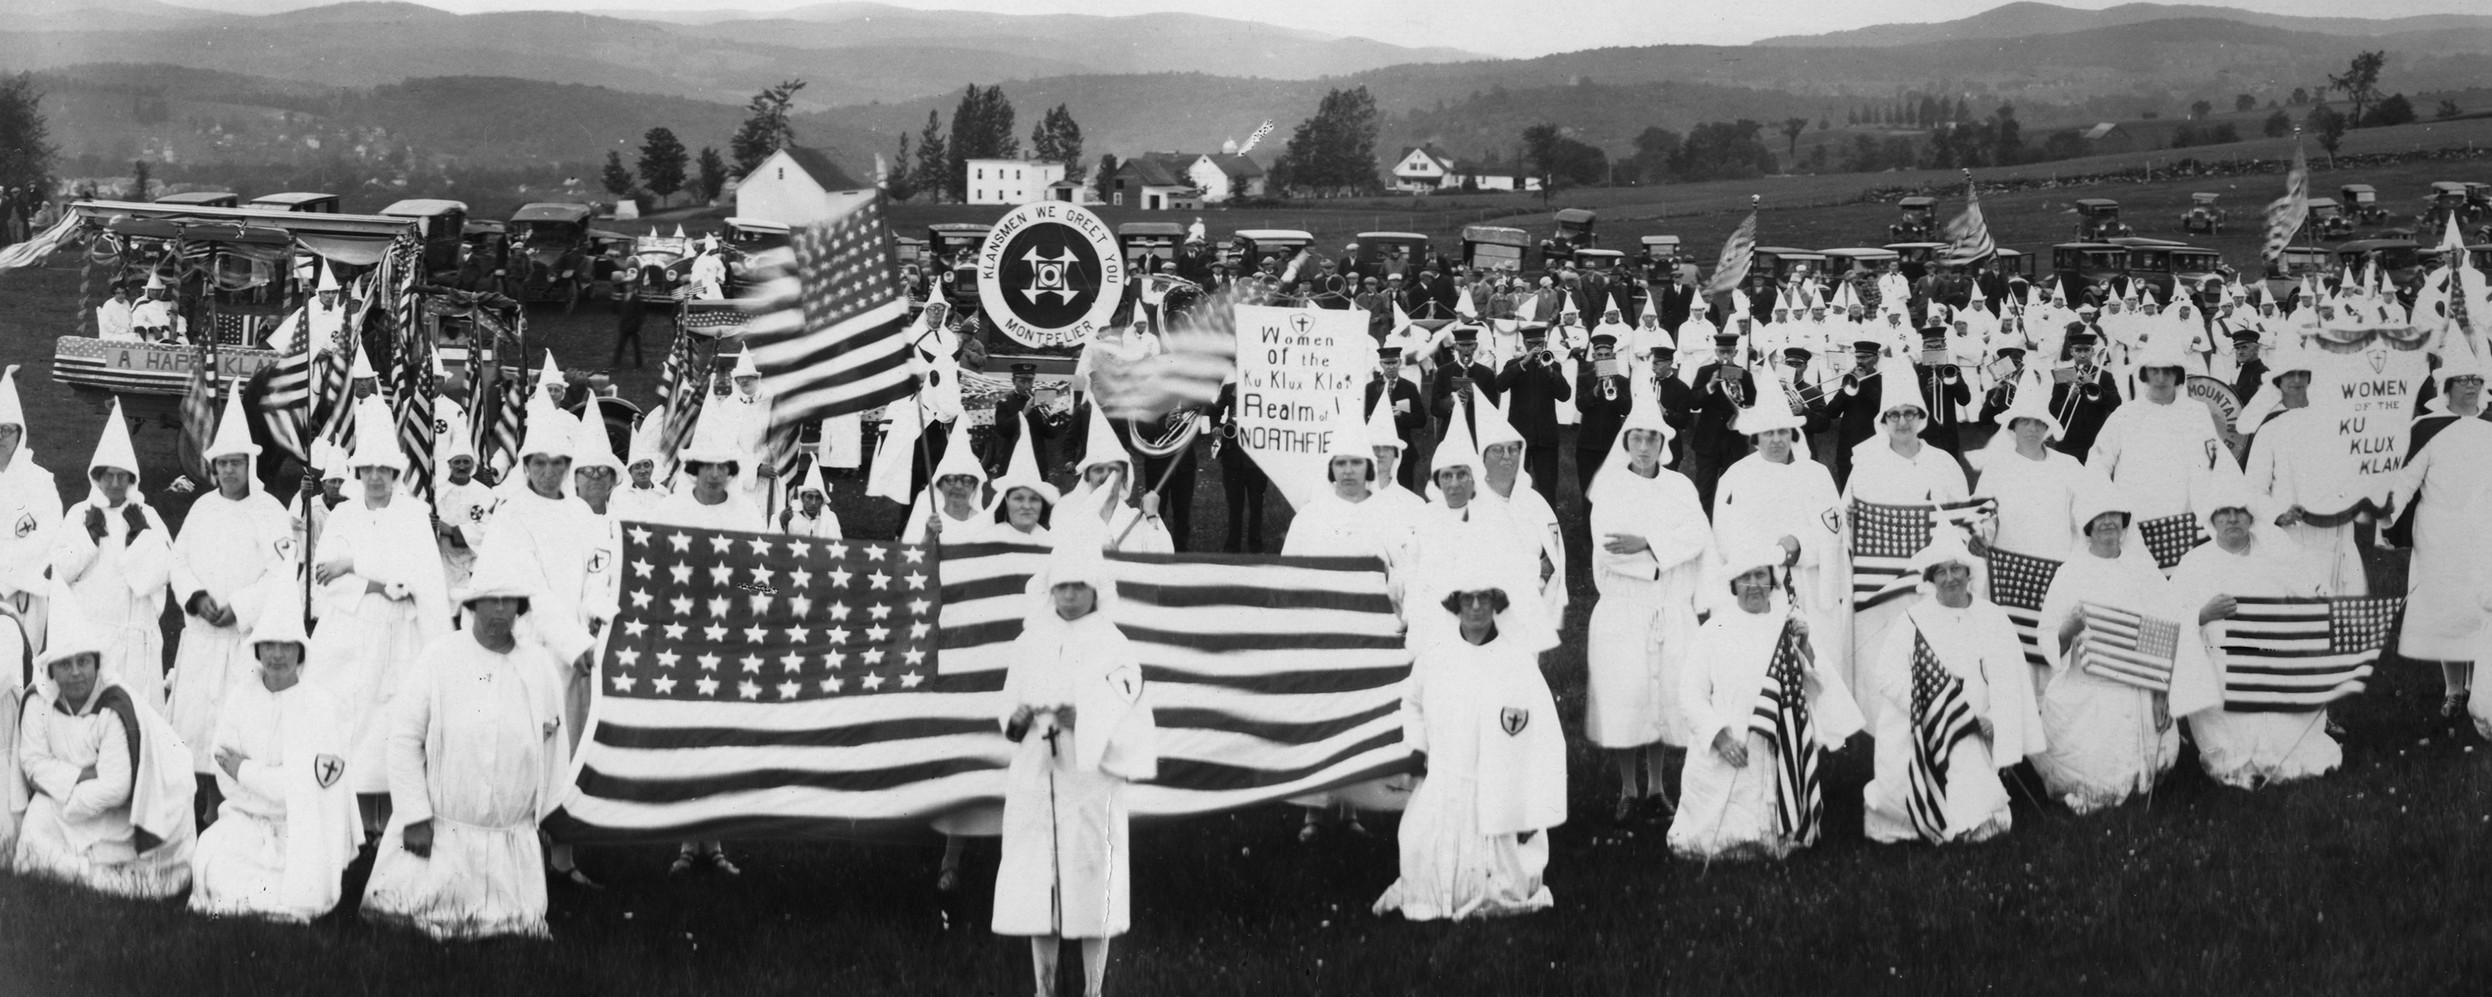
(1732, 390)
(1609, 388)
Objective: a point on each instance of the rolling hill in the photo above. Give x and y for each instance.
(2025, 19)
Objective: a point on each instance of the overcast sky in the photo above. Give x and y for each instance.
(1507, 28)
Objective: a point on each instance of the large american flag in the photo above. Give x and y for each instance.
(278, 398)
(2017, 583)
(1198, 351)
(2286, 214)
(1782, 715)
(1941, 717)
(759, 685)
(2128, 648)
(826, 330)
(1968, 234)
(1739, 253)
(2170, 538)
(1884, 538)
(2291, 655)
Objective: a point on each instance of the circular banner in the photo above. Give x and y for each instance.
(1050, 274)
(2222, 407)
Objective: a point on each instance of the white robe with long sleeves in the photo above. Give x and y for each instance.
(287, 828)
(366, 640)
(2037, 498)
(1067, 864)
(2104, 748)
(685, 509)
(1641, 629)
(1883, 477)
(1727, 811)
(2450, 486)
(30, 504)
(1977, 645)
(2251, 749)
(127, 830)
(115, 588)
(475, 747)
(1759, 502)
(1536, 527)
(238, 553)
(1484, 717)
(2298, 460)
(560, 540)
(2163, 457)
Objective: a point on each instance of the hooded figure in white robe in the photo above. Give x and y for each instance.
(1021, 488)
(233, 554)
(555, 534)
(29, 504)
(1957, 707)
(102, 789)
(944, 496)
(1776, 495)
(711, 501)
(2300, 465)
(1651, 548)
(111, 557)
(1078, 711)
(2448, 482)
(1459, 530)
(2245, 748)
(1096, 514)
(287, 828)
(2035, 484)
(1762, 716)
(2162, 453)
(475, 761)
(1508, 483)
(1476, 710)
(465, 508)
(1896, 467)
(380, 600)
(2110, 740)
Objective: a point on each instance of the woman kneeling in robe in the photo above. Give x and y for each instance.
(106, 791)
(1958, 707)
(1073, 705)
(1763, 716)
(1475, 841)
(2267, 742)
(287, 827)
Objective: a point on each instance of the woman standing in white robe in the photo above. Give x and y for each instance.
(1460, 531)
(2450, 485)
(1653, 548)
(381, 600)
(1480, 717)
(2036, 485)
(1507, 484)
(1730, 793)
(2111, 740)
(104, 801)
(1074, 706)
(1899, 468)
(950, 500)
(1778, 496)
(286, 829)
(236, 544)
(1019, 516)
(2248, 749)
(110, 559)
(1095, 514)
(476, 760)
(29, 504)
(1974, 645)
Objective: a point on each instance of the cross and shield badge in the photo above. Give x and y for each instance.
(25, 525)
(598, 560)
(326, 769)
(1127, 681)
(1514, 719)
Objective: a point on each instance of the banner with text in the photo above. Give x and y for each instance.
(1296, 368)
(2369, 398)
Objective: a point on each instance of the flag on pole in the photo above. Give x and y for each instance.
(2290, 655)
(1260, 131)
(766, 686)
(1198, 351)
(1941, 717)
(278, 397)
(2017, 583)
(2128, 648)
(1782, 715)
(1739, 253)
(1884, 538)
(50, 240)
(828, 328)
(682, 390)
(1967, 232)
(2286, 214)
(198, 416)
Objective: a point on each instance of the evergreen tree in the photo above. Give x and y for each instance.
(765, 127)
(1057, 138)
(1334, 151)
(617, 178)
(981, 129)
(713, 177)
(1108, 166)
(26, 150)
(662, 162)
(899, 183)
(933, 158)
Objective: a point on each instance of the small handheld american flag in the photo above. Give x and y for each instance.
(2292, 655)
(1885, 537)
(1941, 717)
(1782, 715)
(2017, 583)
(2128, 648)
(2171, 538)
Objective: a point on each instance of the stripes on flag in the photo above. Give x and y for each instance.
(711, 318)
(826, 328)
(682, 392)
(1782, 715)
(199, 410)
(2286, 214)
(767, 686)
(278, 398)
(2017, 584)
(1739, 254)
(43, 245)
(2129, 648)
(1941, 717)
(2296, 655)
(1967, 232)
(1884, 538)
(2171, 538)
(1197, 352)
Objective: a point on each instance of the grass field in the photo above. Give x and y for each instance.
(2370, 881)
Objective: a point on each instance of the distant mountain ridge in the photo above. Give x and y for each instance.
(2026, 18)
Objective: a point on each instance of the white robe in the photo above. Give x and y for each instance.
(1640, 630)
(366, 640)
(1759, 502)
(1536, 527)
(1483, 716)
(823, 527)
(2163, 457)
(564, 543)
(1067, 863)
(926, 508)
(287, 828)
(1977, 645)
(1726, 811)
(2249, 749)
(30, 504)
(2037, 498)
(112, 320)
(1884, 477)
(475, 747)
(89, 831)
(239, 554)
(115, 588)
(468, 508)
(2298, 460)
(685, 509)
(2104, 748)
(1446, 542)
(2450, 486)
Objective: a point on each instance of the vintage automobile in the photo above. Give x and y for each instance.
(441, 225)
(2284, 273)
(653, 268)
(1917, 256)
(1919, 220)
(2098, 218)
(1601, 260)
(2446, 201)
(1252, 245)
(2479, 256)
(1494, 247)
(1157, 240)
(2400, 258)
(2204, 217)
(1382, 253)
(752, 235)
(1780, 262)
(304, 201)
(1574, 231)
(2013, 262)
(952, 263)
(2327, 220)
(484, 256)
(1660, 257)
(1856, 261)
(2084, 266)
(2362, 201)
(550, 253)
(203, 199)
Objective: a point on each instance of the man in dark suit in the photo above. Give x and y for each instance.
(1410, 413)
(1242, 482)
(1602, 393)
(1812, 405)
(1012, 418)
(1675, 299)
(1678, 401)
(1329, 289)
(1462, 369)
(2253, 370)
(1943, 383)
(1533, 384)
(2081, 403)
(1854, 404)
(1722, 388)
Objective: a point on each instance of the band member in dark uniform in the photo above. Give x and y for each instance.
(1014, 416)
(2253, 370)
(1241, 481)
(1410, 412)
(1944, 385)
(1854, 404)
(2083, 398)
(1601, 393)
(1678, 401)
(1532, 385)
(1462, 369)
(1722, 388)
